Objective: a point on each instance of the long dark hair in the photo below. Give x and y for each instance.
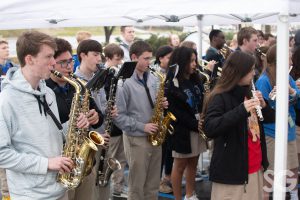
(162, 52)
(182, 56)
(295, 73)
(238, 65)
(271, 62)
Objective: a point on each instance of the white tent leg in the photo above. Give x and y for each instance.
(200, 29)
(279, 188)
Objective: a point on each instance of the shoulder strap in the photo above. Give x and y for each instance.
(144, 82)
(148, 95)
(49, 111)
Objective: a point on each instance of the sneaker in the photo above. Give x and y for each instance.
(165, 187)
(194, 197)
(120, 194)
(198, 177)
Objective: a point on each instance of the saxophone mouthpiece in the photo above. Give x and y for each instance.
(56, 73)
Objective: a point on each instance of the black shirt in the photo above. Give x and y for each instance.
(64, 96)
(213, 54)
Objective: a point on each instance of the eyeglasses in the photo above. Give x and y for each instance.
(65, 63)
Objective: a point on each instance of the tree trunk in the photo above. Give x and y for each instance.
(267, 29)
(108, 32)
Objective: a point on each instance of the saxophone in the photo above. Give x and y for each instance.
(85, 107)
(206, 87)
(163, 122)
(206, 82)
(79, 150)
(108, 165)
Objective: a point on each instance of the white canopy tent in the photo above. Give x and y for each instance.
(15, 14)
(145, 20)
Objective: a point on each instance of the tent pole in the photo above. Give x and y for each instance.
(282, 83)
(200, 29)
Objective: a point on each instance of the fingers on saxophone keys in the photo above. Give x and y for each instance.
(152, 128)
(66, 165)
(82, 121)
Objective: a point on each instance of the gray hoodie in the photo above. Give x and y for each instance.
(134, 109)
(99, 98)
(28, 139)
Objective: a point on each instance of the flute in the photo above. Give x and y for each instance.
(257, 108)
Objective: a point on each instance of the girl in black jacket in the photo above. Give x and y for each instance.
(239, 141)
(184, 93)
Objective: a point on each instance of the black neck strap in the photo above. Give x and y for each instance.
(144, 82)
(48, 111)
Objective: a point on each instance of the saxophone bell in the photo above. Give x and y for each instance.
(112, 165)
(96, 138)
(78, 147)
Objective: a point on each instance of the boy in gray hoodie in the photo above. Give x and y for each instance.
(135, 111)
(31, 142)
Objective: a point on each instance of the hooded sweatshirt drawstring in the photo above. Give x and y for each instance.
(48, 110)
(40, 103)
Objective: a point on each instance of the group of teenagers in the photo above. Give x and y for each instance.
(32, 140)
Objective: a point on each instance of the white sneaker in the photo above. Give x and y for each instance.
(193, 197)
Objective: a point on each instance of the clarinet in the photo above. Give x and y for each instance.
(108, 165)
(257, 108)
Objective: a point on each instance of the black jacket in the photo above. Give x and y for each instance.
(185, 115)
(212, 54)
(226, 122)
(64, 101)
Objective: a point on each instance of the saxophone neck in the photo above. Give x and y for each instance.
(70, 80)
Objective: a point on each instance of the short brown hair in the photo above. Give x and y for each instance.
(139, 47)
(122, 28)
(268, 35)
(245, 33)
(88, 45)
(188, 44)
(30, 43)
(83, 35)
(113, 49)
(62, 46)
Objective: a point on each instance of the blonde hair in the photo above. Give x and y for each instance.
(83, 35)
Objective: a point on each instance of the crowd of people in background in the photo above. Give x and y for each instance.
(229, 96)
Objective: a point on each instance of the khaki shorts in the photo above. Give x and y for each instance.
(298, 138)
(197, 145)
(254, 189)
(292, 157)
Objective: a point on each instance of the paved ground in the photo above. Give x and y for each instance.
(203, 189)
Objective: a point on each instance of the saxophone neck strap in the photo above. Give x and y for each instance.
(48, 111)
(144, 82)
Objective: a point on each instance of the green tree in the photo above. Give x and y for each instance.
(155, 41)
